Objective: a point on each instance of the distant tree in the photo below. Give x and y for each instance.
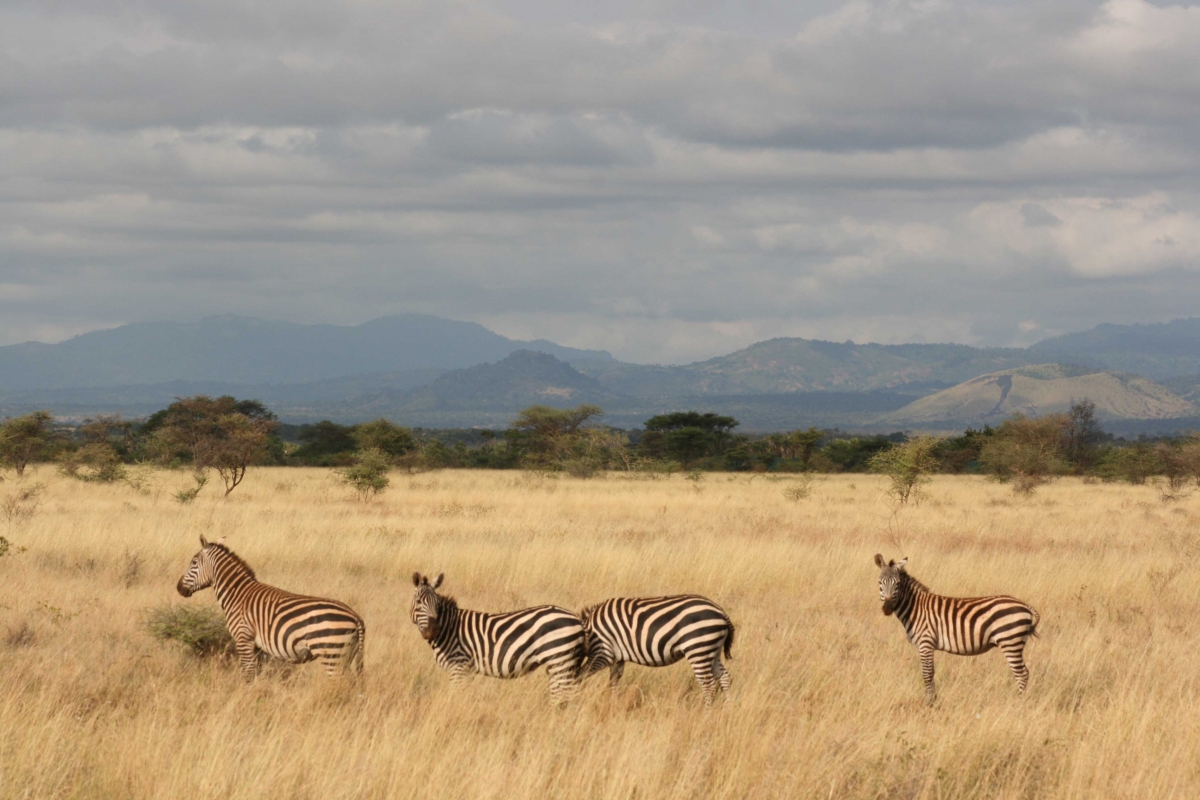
(553, 438)
(324, 443)
(223, 434)
(1081, 435)
(959, 454)
(687, 436)
(387, 437)
(908, 467)
(1028, 451)
(25, 439)
(795, 445)
(368, 475)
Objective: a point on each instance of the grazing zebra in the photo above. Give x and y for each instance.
(657, 632)
(965, 626)
(289, 626)
(499, 645)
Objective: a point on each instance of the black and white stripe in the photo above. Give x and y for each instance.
(499, 645)
(966, 626)
(288, 626)
(657, 632)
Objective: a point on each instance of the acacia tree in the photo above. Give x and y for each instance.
(908, 467)
(223, 434)
(552, 437)
(1026, 450)
(25, 439)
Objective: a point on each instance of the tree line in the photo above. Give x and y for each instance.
(227, 436)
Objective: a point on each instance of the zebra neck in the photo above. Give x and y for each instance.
(447, 623)
(230, 577)
(907, 593)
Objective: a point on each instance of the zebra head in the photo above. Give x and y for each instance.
(425, 604)
(199, 574)
(889, 581)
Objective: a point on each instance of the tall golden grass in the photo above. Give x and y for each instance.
(827, 698)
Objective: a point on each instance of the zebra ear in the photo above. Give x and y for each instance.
(203, 541)
(416, 579)
(879, 559)
(438, 582)
(903, 561)
(221, 541)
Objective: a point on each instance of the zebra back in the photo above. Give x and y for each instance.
(656, 631)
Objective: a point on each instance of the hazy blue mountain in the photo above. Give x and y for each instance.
(242, 350)
(1156, 351)
(803, 365)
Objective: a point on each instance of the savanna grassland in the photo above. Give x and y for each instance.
(827, 698)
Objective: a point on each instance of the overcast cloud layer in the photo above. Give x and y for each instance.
(669, 180)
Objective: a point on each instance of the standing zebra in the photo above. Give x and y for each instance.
(965, 626)
(499, 645)
(289, 626)
(657, 632)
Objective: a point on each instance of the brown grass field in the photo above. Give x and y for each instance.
(827, 698)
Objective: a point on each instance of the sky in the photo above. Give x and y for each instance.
(669, 180)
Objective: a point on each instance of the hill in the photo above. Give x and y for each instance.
(802, 365)
(1042, 389)
(1157, 351)
(242, 350)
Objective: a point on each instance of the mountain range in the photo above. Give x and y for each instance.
(427, 371)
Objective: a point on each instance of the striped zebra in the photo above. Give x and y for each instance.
(657, 632)
(288, 626)
(965, 626)
(499, 645)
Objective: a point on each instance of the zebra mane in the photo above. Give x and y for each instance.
(238, 560)
(913, 583)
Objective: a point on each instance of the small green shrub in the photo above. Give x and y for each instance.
(201, 629)
(368, 476)
(907, 467)
(801, 488)
(185, 496)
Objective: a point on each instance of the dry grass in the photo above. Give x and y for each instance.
(827, 698)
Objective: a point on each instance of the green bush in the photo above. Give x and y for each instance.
(201, 629)
(907, 466)
(368, 476)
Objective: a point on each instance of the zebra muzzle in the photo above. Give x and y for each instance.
(183, 590)
(888, 608)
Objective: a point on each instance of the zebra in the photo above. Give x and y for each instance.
(657, 632)
(965, 626)
(292, 627)
(505, 645)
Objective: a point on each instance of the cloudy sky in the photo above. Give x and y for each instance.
(669, 179)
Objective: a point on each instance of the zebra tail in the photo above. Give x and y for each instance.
(1036, 619)
(729, 642)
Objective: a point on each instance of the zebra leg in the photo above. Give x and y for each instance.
(926, 651)
(564, 678)
(1014, 654)
(702, 665)
(247, 657)
(615, 672)
(359, 647)
(722, 674)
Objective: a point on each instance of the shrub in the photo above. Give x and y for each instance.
(907, 467)
(801, 489)
(201, 629)
(1026, 451)
(185, 496)
(98, 462)
(368, 476)
(22, 504)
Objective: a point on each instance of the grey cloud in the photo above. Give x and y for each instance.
(674, 178)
